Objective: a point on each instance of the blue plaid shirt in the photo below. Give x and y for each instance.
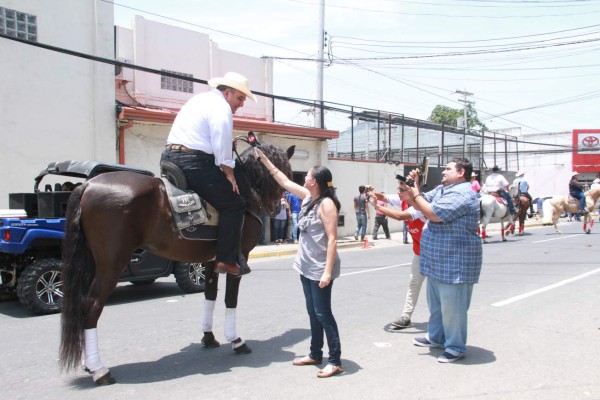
(451, 249)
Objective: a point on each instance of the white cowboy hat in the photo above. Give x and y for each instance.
(235, 81)
(473, 174)
(520, 173)
(574, 173)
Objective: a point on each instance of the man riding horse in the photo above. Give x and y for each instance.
(200, 144)
(497, 183)
(522, 186)
(576, 190)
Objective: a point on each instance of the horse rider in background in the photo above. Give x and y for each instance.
(497, 183)
(576, 190)
(522, 186)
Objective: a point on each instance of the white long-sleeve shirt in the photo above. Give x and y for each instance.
(205, 123)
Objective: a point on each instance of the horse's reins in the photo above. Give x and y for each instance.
(253, 142)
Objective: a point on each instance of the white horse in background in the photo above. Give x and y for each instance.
(558, 204)
(491, 210)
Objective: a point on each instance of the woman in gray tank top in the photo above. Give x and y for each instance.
(317, 260)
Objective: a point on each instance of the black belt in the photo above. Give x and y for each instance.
(183, 148)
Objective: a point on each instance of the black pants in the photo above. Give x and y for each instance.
(526, 194)
(206, 179)
(381, 220)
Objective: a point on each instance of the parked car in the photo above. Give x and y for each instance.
(31, 234)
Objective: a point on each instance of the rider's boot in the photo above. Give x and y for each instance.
(230, 268)
(244, 268)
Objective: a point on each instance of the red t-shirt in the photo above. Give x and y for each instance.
(415, 228)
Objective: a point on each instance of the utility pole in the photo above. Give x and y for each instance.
(466, 122)
(319, 120)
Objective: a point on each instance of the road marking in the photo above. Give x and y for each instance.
(544, 289)
(558, 238)
(375, 269)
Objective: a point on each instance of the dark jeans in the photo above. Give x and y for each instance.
(206, 179)
(581, 197)
(381, 220)
(265, 223)
(506, 196)
(279, 228)
(318, 305)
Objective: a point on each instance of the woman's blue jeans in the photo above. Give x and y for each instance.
(318, 305)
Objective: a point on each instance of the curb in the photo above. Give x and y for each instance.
(348, 243)
(293, 249)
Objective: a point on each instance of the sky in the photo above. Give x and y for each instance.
(532, 66)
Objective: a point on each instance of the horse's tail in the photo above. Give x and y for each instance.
(78, 273)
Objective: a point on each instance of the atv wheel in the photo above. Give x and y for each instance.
(40, 287)
(189, 277)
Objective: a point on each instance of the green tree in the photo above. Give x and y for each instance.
(449, 116)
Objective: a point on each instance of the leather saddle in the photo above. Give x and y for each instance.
(499, 199)
(193, 217)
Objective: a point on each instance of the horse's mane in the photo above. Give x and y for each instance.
(253, 174)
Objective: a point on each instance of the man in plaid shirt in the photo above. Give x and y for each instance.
(450, 256)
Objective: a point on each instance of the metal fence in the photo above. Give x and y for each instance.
(377, 136)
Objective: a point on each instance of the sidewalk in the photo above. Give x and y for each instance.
(348, 242)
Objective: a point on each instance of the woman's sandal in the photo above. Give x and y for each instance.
(306, 360)
(330, 370)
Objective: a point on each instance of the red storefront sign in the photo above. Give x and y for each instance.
(586, 150)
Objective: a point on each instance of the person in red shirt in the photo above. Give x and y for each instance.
(416, 221)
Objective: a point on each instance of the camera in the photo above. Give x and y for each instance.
(422, 171)
(408, 181)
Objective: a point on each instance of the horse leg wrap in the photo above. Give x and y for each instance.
(92, 355)
(230, 331)
(240, 346)
(207, 317)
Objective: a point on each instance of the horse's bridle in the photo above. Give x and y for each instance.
(253, 142)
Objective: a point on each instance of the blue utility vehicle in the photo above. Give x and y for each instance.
(31, 234)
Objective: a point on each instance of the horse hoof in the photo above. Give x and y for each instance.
(105, 380)
(209, 341)
(243, 349)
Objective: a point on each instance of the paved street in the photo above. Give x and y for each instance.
(534, 333)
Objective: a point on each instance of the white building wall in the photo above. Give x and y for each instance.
(548, 173)
(159, 46)
(55, 106)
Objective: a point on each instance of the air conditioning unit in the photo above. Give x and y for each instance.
(124, 73)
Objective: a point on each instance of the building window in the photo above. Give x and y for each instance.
(18, 24)
(179, 85)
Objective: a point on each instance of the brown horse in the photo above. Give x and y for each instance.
(522, 203)
(112, 215)
(555, 206)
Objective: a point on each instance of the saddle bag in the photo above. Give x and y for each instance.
(186, 207)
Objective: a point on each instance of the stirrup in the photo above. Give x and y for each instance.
(244, 268)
